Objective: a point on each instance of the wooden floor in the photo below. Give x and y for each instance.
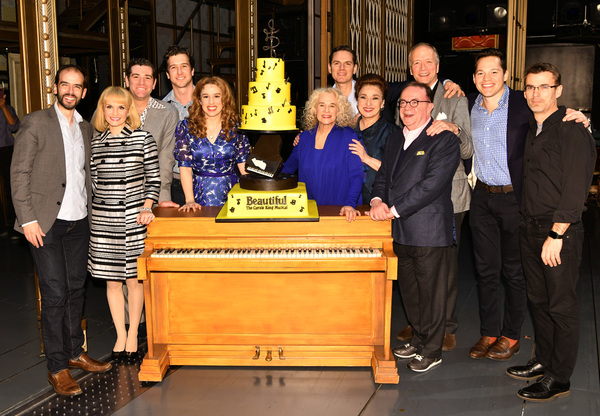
(460, 386)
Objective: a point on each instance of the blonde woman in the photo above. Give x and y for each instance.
(125, 184)
(332, 173)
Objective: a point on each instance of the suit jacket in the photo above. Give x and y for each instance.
(456, 110)
(38, 171)
(420, 187)
(516, 133)
(161, 123)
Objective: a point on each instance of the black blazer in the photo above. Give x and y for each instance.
(516, 133)
(420, 187)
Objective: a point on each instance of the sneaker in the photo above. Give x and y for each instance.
(405, 351)
(421, 364)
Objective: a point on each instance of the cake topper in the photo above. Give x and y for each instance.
(271, 38)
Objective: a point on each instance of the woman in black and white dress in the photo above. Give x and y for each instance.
(126, 183)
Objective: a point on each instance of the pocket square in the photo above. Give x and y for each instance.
(442, 116)
(420, 152)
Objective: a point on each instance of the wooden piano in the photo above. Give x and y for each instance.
(267, 293)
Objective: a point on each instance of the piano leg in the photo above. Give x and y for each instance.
(384, 370)
(155, 367)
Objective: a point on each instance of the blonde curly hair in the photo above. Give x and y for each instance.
(345, 115)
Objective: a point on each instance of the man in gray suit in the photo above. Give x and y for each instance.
(51, 191)
(158, 117)
(413, 188)
(450, 114)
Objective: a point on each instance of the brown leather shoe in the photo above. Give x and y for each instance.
(502, 351)
(405, 334)
(449, 342)
(479, 350)
(63, 383)
(88, 364)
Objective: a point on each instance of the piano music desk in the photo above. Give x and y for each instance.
(326, 310)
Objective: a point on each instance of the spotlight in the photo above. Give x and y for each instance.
(593, 13)
(497, 15)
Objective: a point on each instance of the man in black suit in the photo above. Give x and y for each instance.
(413, 187)
(559, 159)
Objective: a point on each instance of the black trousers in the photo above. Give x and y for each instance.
(61, 265)
(494, 220)
(422, 277)
(451, 318)
(552, 296)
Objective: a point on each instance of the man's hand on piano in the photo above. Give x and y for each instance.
(168, 204)
(379, 211)
(349, 212)
(190, 206)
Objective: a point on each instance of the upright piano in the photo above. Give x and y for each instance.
(267, 293)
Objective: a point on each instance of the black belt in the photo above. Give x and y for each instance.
(503, 189)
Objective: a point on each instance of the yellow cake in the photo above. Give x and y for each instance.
(269, 99)
(245, 203)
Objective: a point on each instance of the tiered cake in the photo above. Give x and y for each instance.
(264, 194)
(269, 99)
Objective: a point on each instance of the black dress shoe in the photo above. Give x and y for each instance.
(531, 371)
(544, 390)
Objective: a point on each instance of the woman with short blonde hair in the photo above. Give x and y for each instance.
(322, 158)
(125, 184)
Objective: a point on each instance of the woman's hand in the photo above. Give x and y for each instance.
(358, 149)
(190, 206)
(349, 212)
(145, 217)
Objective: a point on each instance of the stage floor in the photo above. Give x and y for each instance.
(460, 386)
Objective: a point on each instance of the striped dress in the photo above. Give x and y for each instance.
(125, 173)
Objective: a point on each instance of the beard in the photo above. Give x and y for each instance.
(68, 106)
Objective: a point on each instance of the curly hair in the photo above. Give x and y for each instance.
(345, 115)
(120, 95)
(229, 116)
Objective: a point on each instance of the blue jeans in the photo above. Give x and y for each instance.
(61, 265)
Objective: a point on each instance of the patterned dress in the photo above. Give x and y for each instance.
(213, 164)
(125, 173)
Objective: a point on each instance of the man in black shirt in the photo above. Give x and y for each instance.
(558, 165)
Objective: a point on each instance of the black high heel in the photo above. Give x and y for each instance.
(117, 355)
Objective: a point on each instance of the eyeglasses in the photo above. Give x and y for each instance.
(540, 88)
(412, 103)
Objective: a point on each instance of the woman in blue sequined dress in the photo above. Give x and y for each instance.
(208, 146)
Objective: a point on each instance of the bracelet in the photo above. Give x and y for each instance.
(146, 209)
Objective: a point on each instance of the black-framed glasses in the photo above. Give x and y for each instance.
(540, 88)
(412, 103)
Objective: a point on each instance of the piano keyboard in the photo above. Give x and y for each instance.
(276, 253)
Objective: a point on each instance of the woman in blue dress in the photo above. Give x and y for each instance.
(332, 173)
(208, 146)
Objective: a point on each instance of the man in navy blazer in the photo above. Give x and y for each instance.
(413, 188)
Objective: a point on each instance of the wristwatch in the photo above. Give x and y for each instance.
(555, 235)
